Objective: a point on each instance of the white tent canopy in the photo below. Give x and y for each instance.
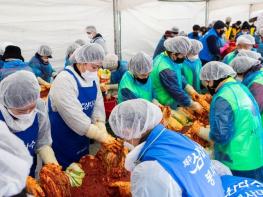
(30, 23)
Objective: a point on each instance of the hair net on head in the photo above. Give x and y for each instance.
(175, 29)
(15, 162)
(110, 61)
(249, 53)
(197, 46)
(91, 28)
(19, 89)
(242, 64)
(89, 53)
(3, 45)
(228, 19)
(141, 63)
(178, 44)
(44, 50)
(215, 70)
(80, 42)
(71, 48)
(132, 118)
(245, 39)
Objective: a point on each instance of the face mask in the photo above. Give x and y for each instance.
(193, 58)
(222, 32)
(89, 76)
(29, 116)
(128, 145)
(211, 90)
(179, 60)
(143, 81)
(195, 34)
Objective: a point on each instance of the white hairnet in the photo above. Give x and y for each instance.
(71, 48)
(242, 64)
(15, 163)
(110, 61)
(245, 39)
(19, 89)
(178, 44)
(91, 28)
(80, 42)
(228, 19)
(175, 29)
(215, 70)
(249, 53)
(132, 118)
(3, 45)
(196, 47)
(44, 50)
(141, 63)
(89, 53)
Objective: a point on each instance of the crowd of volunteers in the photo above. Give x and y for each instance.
(224, 60)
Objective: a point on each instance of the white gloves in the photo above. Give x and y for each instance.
(99, 133)
(75, 174)
(190, 90)
(47, 155)
(204, 133)
(197, 107)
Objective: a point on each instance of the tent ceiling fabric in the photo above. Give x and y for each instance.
(30, 23)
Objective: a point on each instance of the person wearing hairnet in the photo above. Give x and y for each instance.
(249, 53)
(96, 37)
(117, 68)
(12, 61)
(80, 42)
(70, 50)
(26, 115)
(181, 167)
(169, 85)
(192, 66)
(76, 108)
(15, 163)
(250, 73)
(244, 42)
(41, 66)
(174, 31)
(212, 42)
(234, 122)
(136, 82)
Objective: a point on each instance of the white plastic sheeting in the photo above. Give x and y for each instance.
(30, 23)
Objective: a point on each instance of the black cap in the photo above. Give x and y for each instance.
(219, 25)
(12, 51)
(245, 25)
(196, 28)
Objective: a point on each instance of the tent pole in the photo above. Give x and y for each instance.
(250, 10)
(206, 13)
(117, 28)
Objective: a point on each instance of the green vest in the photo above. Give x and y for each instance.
(258, 78)
(162, 62)
(230, 57)
(191, 73)
(140, 90)
(245, 149)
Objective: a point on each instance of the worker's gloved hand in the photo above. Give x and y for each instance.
(156, 102)
(75, 174)
(204, 133)
(97, 133)
(104, 87)
(54, 74)
(47, 154)
(191, 91)
(197, 107)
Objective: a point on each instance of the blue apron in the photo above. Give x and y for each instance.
(29, 137)
(67, 144)
(241, 187)
(184, 160)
